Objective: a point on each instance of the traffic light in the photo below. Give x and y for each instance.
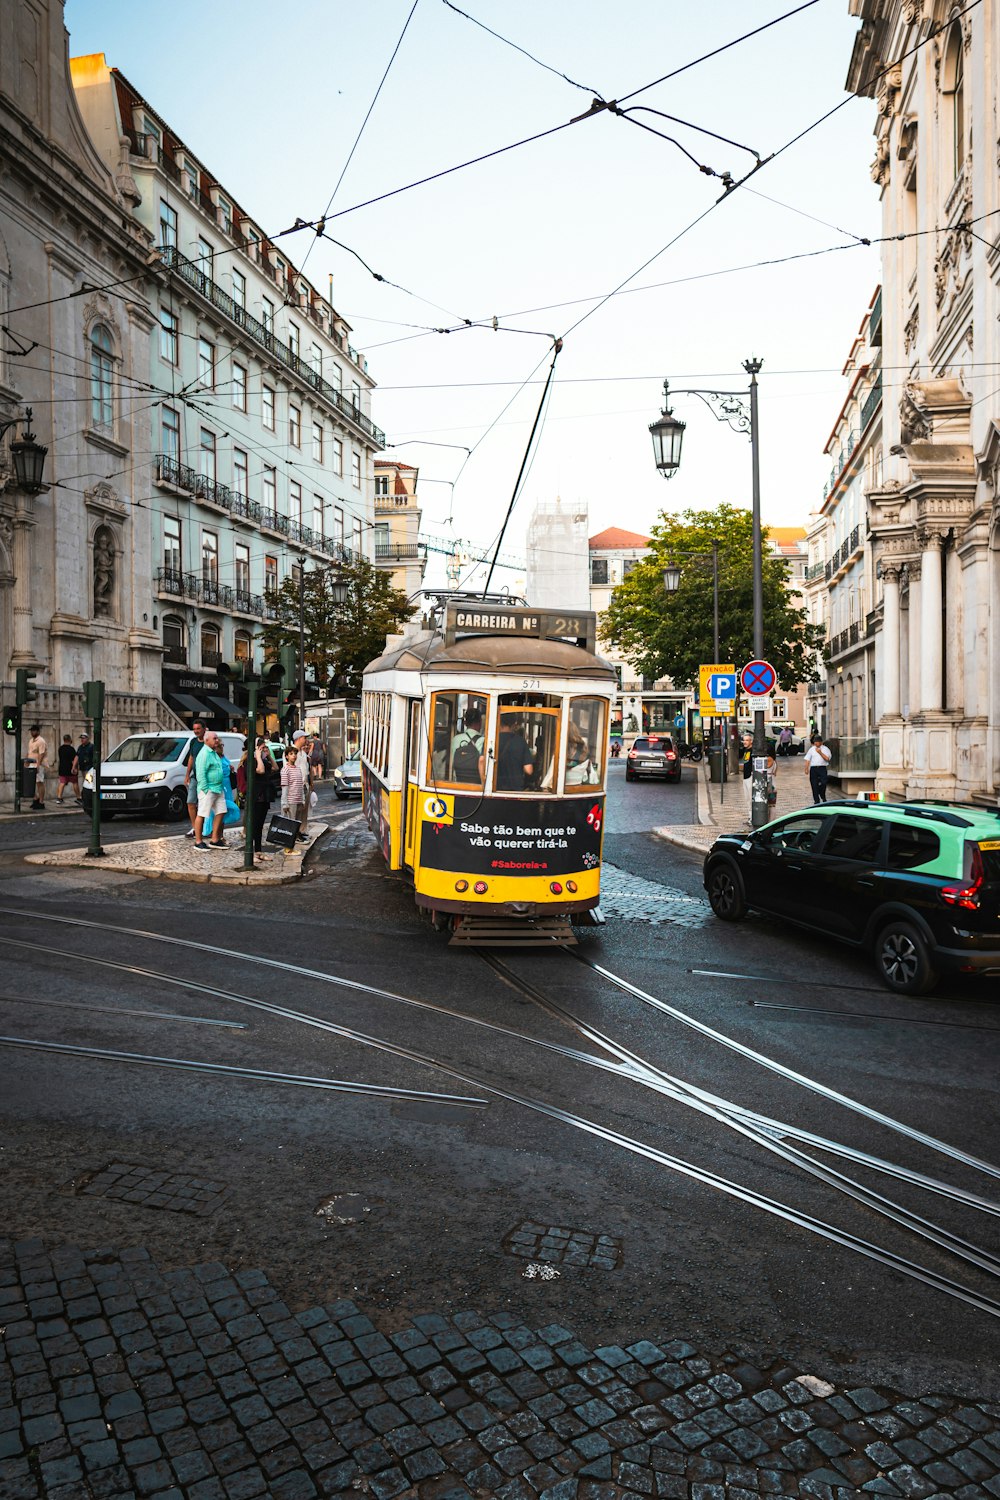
(93, 700)
(10, 720)
(288, 660)
(25, 692)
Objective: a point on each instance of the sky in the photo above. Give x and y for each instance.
(273, 103)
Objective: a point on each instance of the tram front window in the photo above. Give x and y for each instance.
(459, 723)
(585, 743)
(527, 743)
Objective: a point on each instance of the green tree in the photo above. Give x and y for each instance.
(340, 639)
(670, 634)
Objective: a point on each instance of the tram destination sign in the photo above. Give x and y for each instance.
(472, 618)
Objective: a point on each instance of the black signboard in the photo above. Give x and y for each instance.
(282, 831)
(579, 626)
(501, 836)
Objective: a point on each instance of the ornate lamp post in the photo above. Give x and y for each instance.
(27, 456)
(739, 409)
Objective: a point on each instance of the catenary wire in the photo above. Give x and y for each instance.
(523, 50)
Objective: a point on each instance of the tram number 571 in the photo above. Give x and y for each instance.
(529, 684)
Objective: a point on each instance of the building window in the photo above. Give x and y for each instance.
(356, 470)
(207, 465)
(336, 377)
(209, 557)
(954, 86)
(356, 395)
(356, 536)
(293, 338)
(381, 484)
(239, 289)
(318, 515)
(191, 179)
(337, 457)
(295, 503)
(206, 364)
(168, 336)
(172, 544)
(173, 639)
(102, 367)
(318, 442)
(239, 387)
(267, 313)
(170, 432)
(295, 426)
(168, 226)
(270, 574)
(270, 489)
(338, 525)
(381, 537)
(316, 358)
(241, 472)
(225, 216)
(267, 407)
(243, 567)
(205, 253)
(151, 131)
(210, 643)
(242, 644)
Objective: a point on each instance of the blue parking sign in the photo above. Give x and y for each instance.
(722, 685)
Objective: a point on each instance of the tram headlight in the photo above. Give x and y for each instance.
(555, 887)
(572, 887)
(480, 887)
(461, 885)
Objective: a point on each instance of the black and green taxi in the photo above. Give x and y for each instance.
(917, 884)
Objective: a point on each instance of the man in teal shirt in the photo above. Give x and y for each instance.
(211, 792)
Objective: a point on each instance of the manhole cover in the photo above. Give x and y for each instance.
(146, 1187)
(344, 1208)
(557, 1246)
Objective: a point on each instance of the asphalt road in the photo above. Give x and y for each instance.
(436, 1191)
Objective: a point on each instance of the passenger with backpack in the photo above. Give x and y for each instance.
(467, 750)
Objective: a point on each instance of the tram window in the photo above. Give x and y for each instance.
(414, 769)
(528, 742)
(459, 723)
(585, 743)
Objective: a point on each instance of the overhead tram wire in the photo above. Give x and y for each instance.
(364, 122)
(523, 50)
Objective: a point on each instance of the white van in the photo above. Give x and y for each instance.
(145, 774)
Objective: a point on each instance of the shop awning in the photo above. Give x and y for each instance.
(224, 706)
(189, 705)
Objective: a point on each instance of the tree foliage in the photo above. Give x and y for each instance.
(340, 639)
(670, 634)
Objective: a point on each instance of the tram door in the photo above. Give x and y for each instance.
(411, 794)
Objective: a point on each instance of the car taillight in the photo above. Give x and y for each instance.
(967, 895)
(671, 755)
(633, 754)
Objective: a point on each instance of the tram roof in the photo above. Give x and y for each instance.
(428, 652)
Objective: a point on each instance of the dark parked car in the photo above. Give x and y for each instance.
(347, 779)
(915, 883)
(653, 755)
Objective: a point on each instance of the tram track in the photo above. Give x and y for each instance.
(628, 1065)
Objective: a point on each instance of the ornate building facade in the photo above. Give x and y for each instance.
(399, 550)
(935, 511)
(76, 320)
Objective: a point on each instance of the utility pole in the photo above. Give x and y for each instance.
(93, 708)
(302, 641)
(758, 793)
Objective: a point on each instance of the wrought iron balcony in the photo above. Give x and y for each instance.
(814, 570)
(176, 583)
(176, 655)
(246, 510)
(398, 551)
(872, 401)
(211, 658)
(264, 336)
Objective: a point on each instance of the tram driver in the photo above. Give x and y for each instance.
(515, 758)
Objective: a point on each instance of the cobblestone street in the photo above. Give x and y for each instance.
(120, 1380)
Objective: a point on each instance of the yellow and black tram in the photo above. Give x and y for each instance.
(483, 747)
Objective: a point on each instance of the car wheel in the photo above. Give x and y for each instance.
(629, 776)
(175, 806)
(902, 960)
(726, 895)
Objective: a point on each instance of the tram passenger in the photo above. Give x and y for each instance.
(578, 764)
(515, 759)
(467, 750)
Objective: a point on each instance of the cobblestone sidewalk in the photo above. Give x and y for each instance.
(117, 1380)
(728, 813)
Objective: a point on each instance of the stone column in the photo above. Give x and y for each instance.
(890, 642)
(914, 634)
(931, 640)
(23, 653)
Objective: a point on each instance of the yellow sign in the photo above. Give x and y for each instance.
(717, 690)
(439, 808)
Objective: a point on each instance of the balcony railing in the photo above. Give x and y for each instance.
(397, 551)
(177, 584)
(871, 403)
(394, 502)
(177, 655)
(814, 570)
(263, 336)
(875, 321)
(211, 658)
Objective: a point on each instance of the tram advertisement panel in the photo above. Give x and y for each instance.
(495, 836)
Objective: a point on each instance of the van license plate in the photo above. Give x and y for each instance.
(116, 796)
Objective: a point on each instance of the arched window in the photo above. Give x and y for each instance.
(242, 646)
(211, 655)
(102, 364)
(173, 640)
(953, 88)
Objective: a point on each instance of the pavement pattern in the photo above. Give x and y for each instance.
(177, 858)
(119, 1379)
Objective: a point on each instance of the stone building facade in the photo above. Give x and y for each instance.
(935, 511)
(75, 284)
(399, 550)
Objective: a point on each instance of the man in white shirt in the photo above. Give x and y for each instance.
(818, 758)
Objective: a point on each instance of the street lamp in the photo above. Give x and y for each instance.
(667, 434)
(671, 582)
(27, 456)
